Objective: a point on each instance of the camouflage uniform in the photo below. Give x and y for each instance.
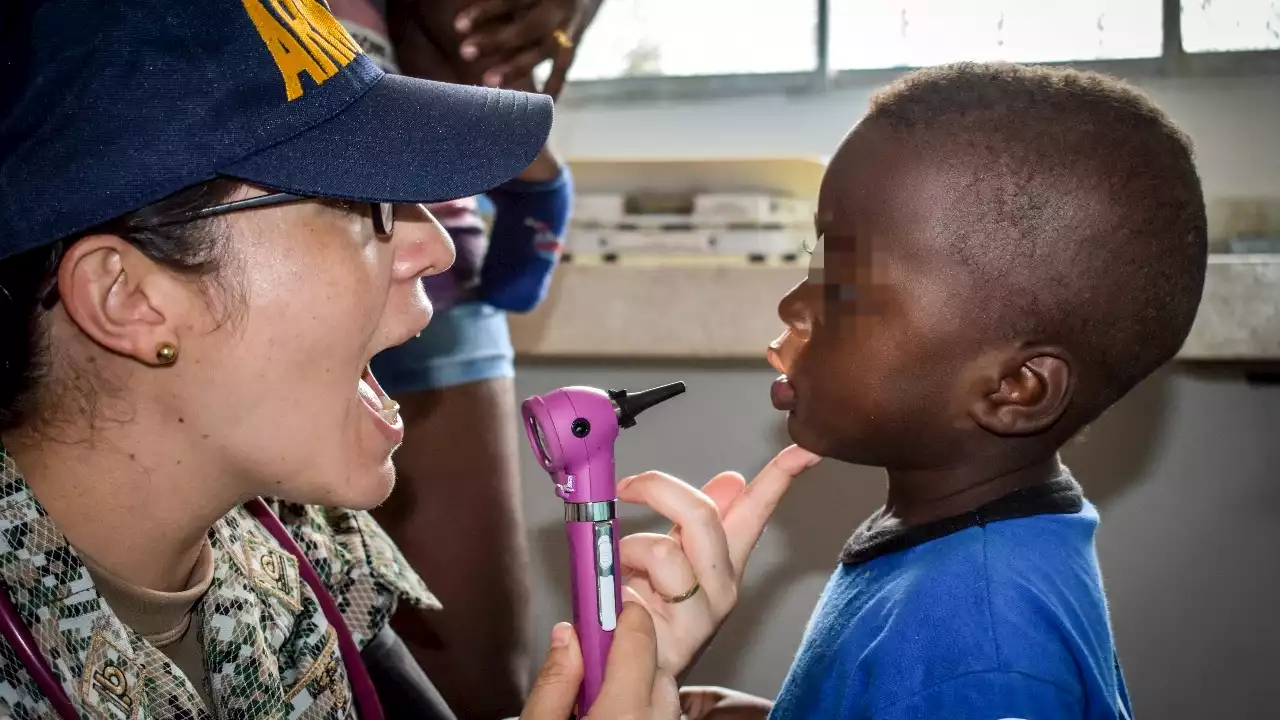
(268, 649)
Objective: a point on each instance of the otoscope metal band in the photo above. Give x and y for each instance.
(591, 511)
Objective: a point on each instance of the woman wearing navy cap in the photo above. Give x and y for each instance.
(210, 221)
(455, 381)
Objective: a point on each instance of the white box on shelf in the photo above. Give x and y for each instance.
(751, 209)
(612, 240)
(788, 241)
(595, 209)
(746, 241)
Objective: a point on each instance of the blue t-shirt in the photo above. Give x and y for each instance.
(997, 614)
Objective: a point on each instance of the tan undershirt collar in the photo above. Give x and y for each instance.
(162, 618)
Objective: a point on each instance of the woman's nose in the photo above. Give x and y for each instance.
(422, 245)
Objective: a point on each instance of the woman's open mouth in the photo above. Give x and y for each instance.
(385, 412)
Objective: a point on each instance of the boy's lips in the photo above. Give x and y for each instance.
(782, 393)
(774, 353)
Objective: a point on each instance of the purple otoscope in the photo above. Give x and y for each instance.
(572, 431)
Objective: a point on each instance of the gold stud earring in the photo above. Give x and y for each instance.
(166, 353)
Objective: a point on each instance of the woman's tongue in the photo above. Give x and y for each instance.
(369, 396)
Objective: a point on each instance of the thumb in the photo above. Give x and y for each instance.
(631, 668)
(556, 689)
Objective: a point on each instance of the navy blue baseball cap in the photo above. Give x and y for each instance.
(107, 107)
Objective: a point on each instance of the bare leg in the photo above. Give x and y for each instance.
(455, 513)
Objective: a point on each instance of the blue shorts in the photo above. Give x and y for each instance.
(466, 343)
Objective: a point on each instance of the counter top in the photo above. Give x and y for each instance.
(717, 312)
(1239, 318)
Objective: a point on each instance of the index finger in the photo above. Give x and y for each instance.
(632, 666)
(745, 519)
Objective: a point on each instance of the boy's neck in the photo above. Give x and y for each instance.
(917, 497)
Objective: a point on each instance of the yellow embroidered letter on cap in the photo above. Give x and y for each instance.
(313, 42)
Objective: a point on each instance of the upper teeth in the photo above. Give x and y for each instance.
(390, 409)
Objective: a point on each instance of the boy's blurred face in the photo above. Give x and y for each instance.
(876, 338)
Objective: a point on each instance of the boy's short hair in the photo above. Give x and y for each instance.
(1080, 211)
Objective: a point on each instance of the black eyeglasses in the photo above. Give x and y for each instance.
(383, 214)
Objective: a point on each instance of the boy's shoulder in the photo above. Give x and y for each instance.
(1011, 605)
(994, 596)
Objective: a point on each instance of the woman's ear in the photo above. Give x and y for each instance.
(119, 297)
(1023, 392)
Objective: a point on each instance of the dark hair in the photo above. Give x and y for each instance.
(194, 248)
(1080, 211)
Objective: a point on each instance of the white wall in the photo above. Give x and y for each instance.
(1185, 470)
(1233, 122)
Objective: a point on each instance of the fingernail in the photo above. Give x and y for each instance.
(493, 79)
(560, 635)
(468, 51)
(462, 23)
(625, 482)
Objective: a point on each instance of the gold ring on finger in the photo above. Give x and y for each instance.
(683, 596)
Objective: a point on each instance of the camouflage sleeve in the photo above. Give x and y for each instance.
(20, 698)
(361, 566)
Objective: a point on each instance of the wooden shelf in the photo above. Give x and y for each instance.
(656, 312)
(730, 313)
(793, 176)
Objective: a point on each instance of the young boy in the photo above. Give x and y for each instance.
(1003, 253)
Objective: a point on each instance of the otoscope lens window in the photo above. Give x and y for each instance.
(542, 441)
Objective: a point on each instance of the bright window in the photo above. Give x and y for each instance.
(682, 38)
(698, 37)
(1226, 25)
(866, 34)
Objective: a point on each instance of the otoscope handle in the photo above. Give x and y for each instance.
(572, 431)
(596, 587)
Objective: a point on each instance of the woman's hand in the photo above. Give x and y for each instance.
(634, 686)
(716, 703)
(689, 578)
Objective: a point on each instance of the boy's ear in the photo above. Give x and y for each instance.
(1024, 392)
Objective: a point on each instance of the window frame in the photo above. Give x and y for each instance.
(1174, 62)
